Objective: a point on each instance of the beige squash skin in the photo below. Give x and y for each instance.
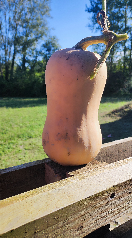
(72, 134)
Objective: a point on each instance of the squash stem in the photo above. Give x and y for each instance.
(84, 43)
(112, 38)
(109, 38)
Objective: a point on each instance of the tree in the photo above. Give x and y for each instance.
(23, 24)
(120, 15)
(49, 47)
(25, 47)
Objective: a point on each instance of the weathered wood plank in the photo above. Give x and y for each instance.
(115, 150)
(29, 176)
(36, 174)
(81, 218)
(29, 206)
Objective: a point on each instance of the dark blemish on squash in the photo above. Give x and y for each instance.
(67, 58)
(66, 118)
(69, 153)
(47, 136)
(77, 78)
(44, 142)
(59, 137)
(66, 137)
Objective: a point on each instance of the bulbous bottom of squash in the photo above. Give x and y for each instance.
(70, 152)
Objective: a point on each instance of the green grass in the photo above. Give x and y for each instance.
(21, 126)
(22, 122)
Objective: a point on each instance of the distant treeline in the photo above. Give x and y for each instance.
(27, 78)
(26, 46)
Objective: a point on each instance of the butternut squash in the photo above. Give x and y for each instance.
(75, 80)
(72, 134)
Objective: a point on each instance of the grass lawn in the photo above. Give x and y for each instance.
(22, 122)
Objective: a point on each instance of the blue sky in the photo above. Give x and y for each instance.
(70, 21)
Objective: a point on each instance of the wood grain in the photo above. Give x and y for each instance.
(29, 206)
(81, 218)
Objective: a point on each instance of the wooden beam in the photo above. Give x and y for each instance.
(22, 178)
(88, 184)
(29, 176)
(81, 218)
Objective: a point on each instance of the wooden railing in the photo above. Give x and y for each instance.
(44, 199)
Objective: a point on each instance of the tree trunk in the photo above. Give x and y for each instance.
(12, 64)
(14, 54)
(124, 63)
(24, 62)
(6, 71)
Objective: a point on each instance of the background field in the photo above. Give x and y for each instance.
(22, 122)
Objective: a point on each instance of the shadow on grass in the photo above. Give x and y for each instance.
(22, 102)
(119, 129)
(115, 99)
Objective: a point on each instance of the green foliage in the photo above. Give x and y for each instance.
(119, 62)
(28, 81)
(25, 47)
(118, 80)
